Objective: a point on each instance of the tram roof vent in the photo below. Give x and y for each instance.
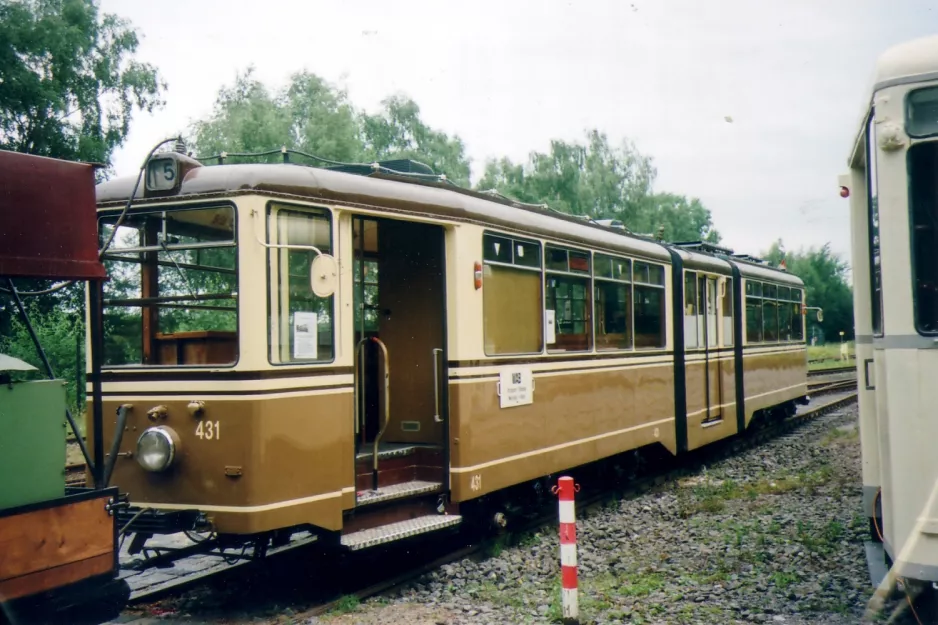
(704, 246)
(750, 259)
(609, 223)
(403, 166)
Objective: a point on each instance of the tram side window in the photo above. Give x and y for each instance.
(753, 312)
(301, 323)
(769, 313)
(923, 200)
(511, 296)
(797, 319)
(649, 300)
(567, 281)
(172, 296)
(691, 310)
(876, 274)
(612, 280)
(784, 313)
(728, 312)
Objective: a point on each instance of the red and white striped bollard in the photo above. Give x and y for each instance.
(565, 489)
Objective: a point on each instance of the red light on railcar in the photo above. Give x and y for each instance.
(844, 192)
(477, 275)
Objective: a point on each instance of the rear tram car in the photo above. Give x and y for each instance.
(370, 354)
(894, 203)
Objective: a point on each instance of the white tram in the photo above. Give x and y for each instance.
(893, 190)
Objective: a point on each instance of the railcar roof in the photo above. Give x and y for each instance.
(384, 191)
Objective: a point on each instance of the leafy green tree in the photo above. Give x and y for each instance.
(825, 276)
(399, 132)
(601, 181)
(69, 82)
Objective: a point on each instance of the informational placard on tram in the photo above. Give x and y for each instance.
(305, 335)
(550, 327)
(515, 387)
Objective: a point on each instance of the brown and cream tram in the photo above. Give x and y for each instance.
(361, 352)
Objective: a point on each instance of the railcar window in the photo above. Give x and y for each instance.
(613, 292)
(568, 299)
(876, 274)
(691, 310)
(922, 112)
(797, 319)
(784, 313)
(769, 313)
(753, 312)
(172, 296)
(923, 201)
(728, 312)
(649, 299)
(301, 323)
(512, 308)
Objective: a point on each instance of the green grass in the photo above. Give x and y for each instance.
(348, 603)
(828, 356)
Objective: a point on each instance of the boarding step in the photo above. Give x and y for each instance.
(400, 530)
(396, 491)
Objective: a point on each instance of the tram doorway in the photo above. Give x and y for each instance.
(708, 287)
(399, 333)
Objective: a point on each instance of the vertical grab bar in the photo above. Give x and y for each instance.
(358, 378)
(436, 384)
(387, 412)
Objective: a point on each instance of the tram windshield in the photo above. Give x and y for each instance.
(172, 296)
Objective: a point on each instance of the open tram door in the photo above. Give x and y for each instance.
(400, 358)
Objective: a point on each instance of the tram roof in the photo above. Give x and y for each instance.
(402, 193)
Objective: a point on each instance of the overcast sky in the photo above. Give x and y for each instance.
(508, 76)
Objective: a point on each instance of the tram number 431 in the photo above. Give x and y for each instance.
(208, 430)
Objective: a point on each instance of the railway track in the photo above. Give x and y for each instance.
(833, 396)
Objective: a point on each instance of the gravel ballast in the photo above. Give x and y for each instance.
(772, 535)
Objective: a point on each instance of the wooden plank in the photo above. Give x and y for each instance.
(47, 538)
(48, 579)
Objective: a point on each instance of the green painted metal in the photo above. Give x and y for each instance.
(32, 442)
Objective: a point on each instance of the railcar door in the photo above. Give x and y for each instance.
(400, 422)
(713, 388)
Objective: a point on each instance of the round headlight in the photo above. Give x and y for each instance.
(156, 449)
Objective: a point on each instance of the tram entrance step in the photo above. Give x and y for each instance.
(396, 491)
(398, 463)
(391, 532)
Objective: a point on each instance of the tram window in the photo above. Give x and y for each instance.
(568, 299)
(797, 319)
(648, 295)
(923, 201)
(613, 302)
(301, 323)
(691, 310)
(753, 312)
(784, 314)
(769, 320)
(172, 296)
(512, 309)
(922, 112)
(876, 276)
(728, 312)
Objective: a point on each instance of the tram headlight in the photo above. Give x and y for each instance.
(157, 449)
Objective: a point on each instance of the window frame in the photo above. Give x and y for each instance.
(588, 276)
(236, 244)
(268, 253)
(631, 300)
(663, 286)
(540, 270)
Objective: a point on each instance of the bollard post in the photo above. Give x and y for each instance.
(565, 489)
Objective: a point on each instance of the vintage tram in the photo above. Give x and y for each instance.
(369, 351)
(893, 207)
(58, 543)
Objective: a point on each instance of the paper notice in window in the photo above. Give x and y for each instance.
(305, 335)
(550, 328)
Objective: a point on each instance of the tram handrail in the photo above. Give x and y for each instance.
(387, 412)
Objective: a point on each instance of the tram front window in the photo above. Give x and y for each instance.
(923, 200)
(172, 295)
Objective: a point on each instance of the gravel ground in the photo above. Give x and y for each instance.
(773, 535)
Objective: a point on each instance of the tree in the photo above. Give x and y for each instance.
(398, 132)
(600, 181)
(826, 285)
(69, 82)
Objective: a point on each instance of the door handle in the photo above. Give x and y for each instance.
(436, 384)
(866, 375)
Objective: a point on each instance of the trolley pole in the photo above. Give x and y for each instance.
(565, 489)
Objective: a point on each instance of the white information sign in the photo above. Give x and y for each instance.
(551, 327)
(305, 335)
(515, 387)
